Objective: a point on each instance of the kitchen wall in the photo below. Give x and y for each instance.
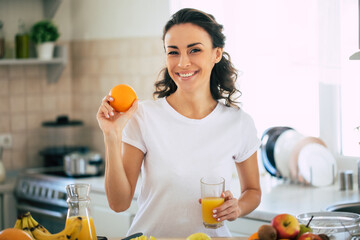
(109, 42)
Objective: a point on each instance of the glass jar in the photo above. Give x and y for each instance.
(79, 206)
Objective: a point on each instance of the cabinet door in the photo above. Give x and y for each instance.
(244, 226)
(109, 223)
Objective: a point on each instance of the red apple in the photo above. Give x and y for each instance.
(286, 225)
(309, 236)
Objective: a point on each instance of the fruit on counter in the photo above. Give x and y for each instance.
(309, 236)
(286, 225)
(304, 228)
(198, 236)
(267, 232)
(14, 234)
(123, 96)
(36, 231)
(143, 237)
(254, 236)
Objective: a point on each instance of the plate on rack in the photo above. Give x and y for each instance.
(317, 165)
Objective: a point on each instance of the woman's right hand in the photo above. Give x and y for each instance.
(111, 120)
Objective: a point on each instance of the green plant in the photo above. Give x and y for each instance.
(44, 31)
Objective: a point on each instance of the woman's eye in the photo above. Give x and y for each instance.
(195, 50)
(172, 53)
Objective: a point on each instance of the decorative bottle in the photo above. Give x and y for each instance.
(22, 41)
(79, 206)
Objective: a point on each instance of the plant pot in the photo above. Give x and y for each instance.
(45, 51)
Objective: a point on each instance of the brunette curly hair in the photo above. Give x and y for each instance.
(223, 75)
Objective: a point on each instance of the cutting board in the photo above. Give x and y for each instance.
(220, 238)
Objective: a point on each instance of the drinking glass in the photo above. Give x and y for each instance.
(211, 189)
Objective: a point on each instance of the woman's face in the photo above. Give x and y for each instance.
(190, 57)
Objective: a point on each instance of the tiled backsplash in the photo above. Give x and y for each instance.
(94, 67)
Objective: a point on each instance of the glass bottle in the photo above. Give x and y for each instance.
(2, 40)
(79, 206)
(22, 41)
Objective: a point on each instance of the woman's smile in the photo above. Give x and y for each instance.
(186, 75)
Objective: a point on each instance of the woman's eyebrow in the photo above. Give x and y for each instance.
(189, 45)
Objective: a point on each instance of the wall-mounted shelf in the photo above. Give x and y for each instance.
(50, 7)
(54, 67)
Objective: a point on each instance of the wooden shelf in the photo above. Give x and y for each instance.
(54, 67)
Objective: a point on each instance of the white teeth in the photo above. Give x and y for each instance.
(186, 74)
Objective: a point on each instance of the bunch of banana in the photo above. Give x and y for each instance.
(28, 224)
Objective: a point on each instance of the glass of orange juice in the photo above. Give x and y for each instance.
(211, 189)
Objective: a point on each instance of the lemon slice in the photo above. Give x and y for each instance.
(199, 236)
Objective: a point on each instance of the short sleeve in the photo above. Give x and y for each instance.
(249, 141)
(132, 133)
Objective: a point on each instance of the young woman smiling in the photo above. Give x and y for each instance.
(193, 129)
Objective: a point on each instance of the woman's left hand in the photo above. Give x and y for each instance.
(229, 210)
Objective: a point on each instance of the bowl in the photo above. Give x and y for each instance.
(337, 225)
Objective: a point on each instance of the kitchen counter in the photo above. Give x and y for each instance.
(219, 238)
(279, 197)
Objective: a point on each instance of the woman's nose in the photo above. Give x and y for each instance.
(184, 61)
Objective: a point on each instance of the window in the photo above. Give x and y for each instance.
(294, 62)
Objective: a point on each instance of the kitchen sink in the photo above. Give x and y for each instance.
(353, 207)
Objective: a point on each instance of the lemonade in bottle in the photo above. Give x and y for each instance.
(79, 206)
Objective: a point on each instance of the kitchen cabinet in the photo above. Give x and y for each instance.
(107, 222)
(7, 204)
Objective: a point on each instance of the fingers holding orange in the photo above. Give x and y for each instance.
(123, 97)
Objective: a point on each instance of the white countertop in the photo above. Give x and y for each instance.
(277, 196)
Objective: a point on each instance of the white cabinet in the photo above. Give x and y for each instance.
(107, 222)
(244, 227)
(7, 204)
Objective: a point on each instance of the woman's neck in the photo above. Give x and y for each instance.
(194, 106)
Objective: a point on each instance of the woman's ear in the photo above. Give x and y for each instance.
(218, 56)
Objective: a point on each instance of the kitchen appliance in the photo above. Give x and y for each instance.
(78, 164)
(42, 191)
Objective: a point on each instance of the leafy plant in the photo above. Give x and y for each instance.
(44, 31)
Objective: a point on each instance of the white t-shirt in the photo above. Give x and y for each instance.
(178, 152)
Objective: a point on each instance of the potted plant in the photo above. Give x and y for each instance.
(44, 34)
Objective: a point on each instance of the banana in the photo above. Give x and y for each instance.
(18, 223)
(25, 225)
(35, 224)
(70, 232)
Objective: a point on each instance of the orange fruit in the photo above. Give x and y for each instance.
(14, 234)
(123, 96)
(254, 236)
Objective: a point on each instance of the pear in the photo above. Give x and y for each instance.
(303, 229)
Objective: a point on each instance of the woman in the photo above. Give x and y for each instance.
(193, 129)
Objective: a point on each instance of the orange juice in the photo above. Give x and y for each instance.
(88, 229)
(207, 205)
